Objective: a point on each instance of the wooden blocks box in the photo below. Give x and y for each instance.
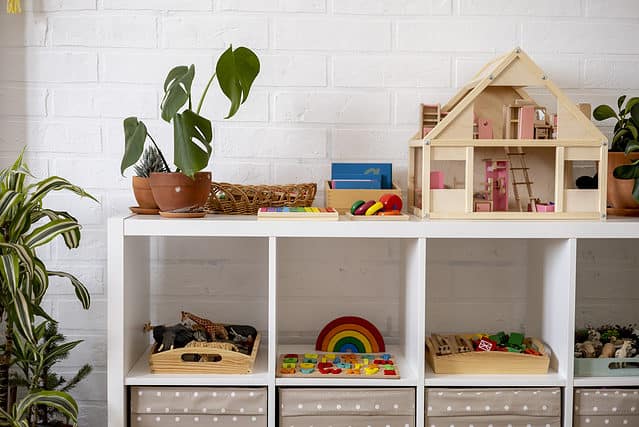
(606, 407)
(342, 200)
(493, 406)
(198, 406)
(355, 407)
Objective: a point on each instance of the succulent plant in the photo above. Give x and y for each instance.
(151, 161)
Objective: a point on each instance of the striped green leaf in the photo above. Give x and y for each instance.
(59, 350)
(54, 183)
(71, 238)
(24, 253)
(21, 221)
(10, 271)
(40, 279)
(47, 232)
(23, 316)
(58, 400)
(8, 200)
(80, 290)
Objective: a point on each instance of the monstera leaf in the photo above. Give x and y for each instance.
(134, 137)
(177, 90)
(236, 71)
(192, 136)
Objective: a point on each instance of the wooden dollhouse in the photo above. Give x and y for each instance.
(492, 152)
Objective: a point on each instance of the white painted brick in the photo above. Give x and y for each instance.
(255, 109)
(72, 317)
(577, 37)
(273, 5)
(262, 142)
(93, 388)
(611, 73)
(28, 30)
(92, 247)
(57, 5)
(521, 7)
(16, 101)
(109, 31)
(320, 107)
(240, 172)
(393, 7)
(38, 167)
(157, 4)
(41, 136)
(118, 202)
(150, 66)
(396, 71)
(407, 104)
(488, 35)
(332, 34)
(47, 66)
(358, 145)
(92, 350)
(612, 9)
(105, 102)
(85, 211)
(288, 173)
(213, 32)
(91, 173)
(292, 70)
(92, 414)
(563, 71)
(91, 276)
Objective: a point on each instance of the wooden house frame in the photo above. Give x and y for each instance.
(500, 83)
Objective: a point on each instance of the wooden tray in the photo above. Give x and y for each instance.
(488, 362)
(212, 358)
(400, 217)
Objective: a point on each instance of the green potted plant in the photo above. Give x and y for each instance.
(188, 187)
(623, 161)
(151, 161)
(25, 226)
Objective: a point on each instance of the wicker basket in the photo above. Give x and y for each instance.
(235, 199)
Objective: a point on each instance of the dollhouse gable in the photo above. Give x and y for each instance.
(504, 80)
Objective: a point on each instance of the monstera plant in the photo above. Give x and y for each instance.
(25, 227)
(236, 71)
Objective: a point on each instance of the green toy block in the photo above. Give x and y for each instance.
(516, 339)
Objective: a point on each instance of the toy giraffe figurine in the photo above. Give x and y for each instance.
(215, 330)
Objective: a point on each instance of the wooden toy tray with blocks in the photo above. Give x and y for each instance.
(339, 365)
(457, 354)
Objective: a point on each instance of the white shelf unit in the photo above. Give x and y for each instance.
(290, 278)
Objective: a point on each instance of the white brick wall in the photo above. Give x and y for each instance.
(341, 79)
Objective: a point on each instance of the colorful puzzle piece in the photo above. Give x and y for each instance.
(346, 365)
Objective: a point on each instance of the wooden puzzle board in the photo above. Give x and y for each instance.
(348, 365)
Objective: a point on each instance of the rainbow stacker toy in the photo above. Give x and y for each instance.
(350, 334)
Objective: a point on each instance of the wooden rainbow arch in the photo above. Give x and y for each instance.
(350, 334)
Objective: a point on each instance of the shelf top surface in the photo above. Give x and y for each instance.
(249, 226)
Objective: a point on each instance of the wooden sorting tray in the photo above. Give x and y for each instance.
(606, 367)
(488, 362)
(212, 358)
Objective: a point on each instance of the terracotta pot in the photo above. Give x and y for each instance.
(620, 201)
(177, 191)
(143, 194)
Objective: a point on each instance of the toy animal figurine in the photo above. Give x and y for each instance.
(624, 351)
(587, 349)
(607, 351)
(215, 330)
(242, 333)
(170, 337)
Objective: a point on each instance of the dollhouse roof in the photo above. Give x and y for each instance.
(517, 71)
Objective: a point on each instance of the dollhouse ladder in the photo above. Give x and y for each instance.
(520, 176)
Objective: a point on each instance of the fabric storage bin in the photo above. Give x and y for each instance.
(197, 406)
(499, 407)
(606, 407)
(343, 407)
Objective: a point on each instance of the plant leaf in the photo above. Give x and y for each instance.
(80, 290)
(47, 232)
(71, 238)
(635, 190)
(631, 103)
(630, 171)
(58, 400)
(24, 253)
(604, 112)
(631, 147)
(55, 183)
(41, 279)
(177, 90)
(633, 129)
(8, 200)
(236, 71)
(23, 316)
(60, 350)
(620, 101)
(192, 142)
(10, 271)
(619, 134)
(134, 137)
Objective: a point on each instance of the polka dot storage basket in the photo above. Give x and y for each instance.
(198, 406)
(354, 407)
(606, 407)
(483, 407)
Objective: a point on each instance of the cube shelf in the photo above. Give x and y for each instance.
(410, 279)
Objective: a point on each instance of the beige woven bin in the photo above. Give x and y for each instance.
(236, 199)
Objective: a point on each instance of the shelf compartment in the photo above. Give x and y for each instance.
(510, 285)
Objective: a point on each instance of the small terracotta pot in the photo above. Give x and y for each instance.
(143, 194)
(619, 197)
(177, 191)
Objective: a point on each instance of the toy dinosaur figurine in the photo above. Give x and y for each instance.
(170, 337)
(215, 330)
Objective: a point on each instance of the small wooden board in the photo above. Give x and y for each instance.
(401, 217)
(341, 369)
(297, 214)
